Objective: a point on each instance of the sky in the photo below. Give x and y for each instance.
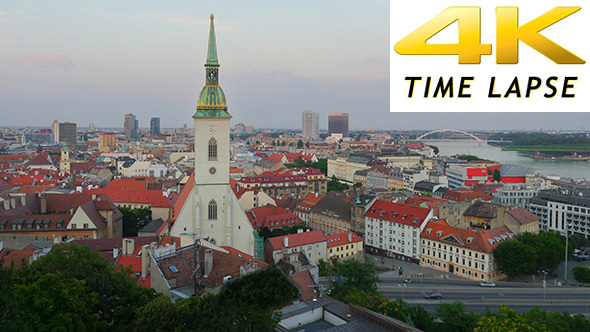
(94, 61)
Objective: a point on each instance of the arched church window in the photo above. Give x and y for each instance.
(212, 211)
(212, 149)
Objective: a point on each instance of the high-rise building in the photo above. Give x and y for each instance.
(67, 133)
(55, 129)
(310, 125)
(338, 124)
(130, 126)
(155, 127)
(107, 142)
(211, 209)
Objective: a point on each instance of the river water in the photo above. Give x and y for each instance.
(572, 169)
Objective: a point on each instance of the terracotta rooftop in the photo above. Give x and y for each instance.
(308, 202)
(522, 216)
(399, 213)
(184, 193)
(272, 217)
(484, 241)
(305, 282)
(155, 198)
(299, 239)
(340, 239)
(15, 256)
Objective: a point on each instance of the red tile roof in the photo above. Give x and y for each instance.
(398, 213)
(305, 282)
(462, 195)
(299, 239)
(272, 217)
(308, 202)
(155, 198)
(523, 216)
(485, 241)
(340, 239)
(177, 207)
(15, 256)
(137, 183)
(134, 262)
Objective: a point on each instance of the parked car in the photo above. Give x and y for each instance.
(488, 284)
(432, 296)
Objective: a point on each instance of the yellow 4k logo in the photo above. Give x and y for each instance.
(469, 47)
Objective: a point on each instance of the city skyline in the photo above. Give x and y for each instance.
(146, 60)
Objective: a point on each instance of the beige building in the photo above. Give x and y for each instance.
(463, 252)
(107, 142)
(344, 246)
(313, 244)
(344, 167)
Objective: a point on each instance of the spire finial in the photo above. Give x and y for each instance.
(212, 49)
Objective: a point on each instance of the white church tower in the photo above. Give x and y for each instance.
(212, 210)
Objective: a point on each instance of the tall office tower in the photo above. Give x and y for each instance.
(211, 209)
(338, 124)
(155, 127)
(310, 125)
(130, 126)
(55, 130)
(107, 142)
(67, 133)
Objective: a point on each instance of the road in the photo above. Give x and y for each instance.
(518, 296)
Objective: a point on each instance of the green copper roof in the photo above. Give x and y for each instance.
(211, 103)
(212, 48)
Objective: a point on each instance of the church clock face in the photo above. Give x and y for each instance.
(213, 129)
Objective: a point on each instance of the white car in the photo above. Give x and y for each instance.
(488, 284)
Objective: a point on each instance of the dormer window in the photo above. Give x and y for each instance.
(439, 233)
(469, 239)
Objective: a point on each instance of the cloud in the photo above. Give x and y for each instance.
(43, 60)
(2, 13)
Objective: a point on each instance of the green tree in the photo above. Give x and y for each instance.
(452, 317)
(548, 246)
(497, 175)
(507, 320)
(582, 274)
(212, 313)
(515, 258)
(53, 303)
(335, 185)
(299, 144)
(117, 293)
(158, 315)
(135, 219)
(352, 275)
(435, 149)
(307, 145)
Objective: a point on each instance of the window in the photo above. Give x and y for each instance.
(212, 149)
(85, 226)
(212, 215)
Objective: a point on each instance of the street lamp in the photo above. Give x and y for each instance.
(544, 284)
(567, 233)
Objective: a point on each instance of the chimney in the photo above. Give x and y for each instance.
(6, 205)
(349, 236)
(12, 203)
(208, 261)
(299, 231)
(93, 196)
(115, 252)
(23, 200)
(286, 241)
(144, 261)
(128, 247)
(43, 203)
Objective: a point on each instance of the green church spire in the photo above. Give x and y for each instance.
(212, 103)
(212, 48)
